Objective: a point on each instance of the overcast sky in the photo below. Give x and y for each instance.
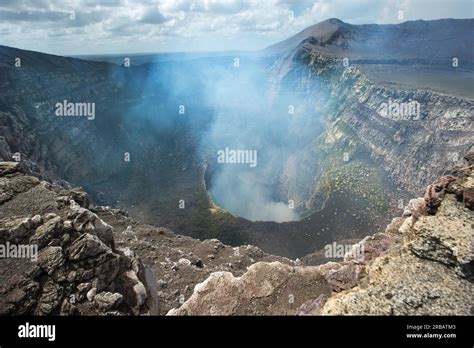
(133, 26)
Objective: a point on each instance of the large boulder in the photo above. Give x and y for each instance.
(78, 271)
(108, 300)
(87, 245)
(47, 231)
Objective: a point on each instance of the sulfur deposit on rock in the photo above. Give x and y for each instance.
(422, 264)
(78, 268)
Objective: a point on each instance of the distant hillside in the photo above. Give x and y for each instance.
(436, 39)
(43, 61)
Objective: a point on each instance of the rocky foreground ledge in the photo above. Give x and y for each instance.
(62, 257)
(98, 261)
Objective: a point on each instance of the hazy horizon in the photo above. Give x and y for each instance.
(80, 27)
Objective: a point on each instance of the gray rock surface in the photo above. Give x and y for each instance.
(78, 270)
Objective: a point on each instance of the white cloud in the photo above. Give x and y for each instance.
(108, 26)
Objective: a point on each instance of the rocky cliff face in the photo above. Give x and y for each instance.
(443, 128)
(422, 264)
(348, 73)
(354, 96)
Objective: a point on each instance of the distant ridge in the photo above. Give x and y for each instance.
(40, 60)
(418, 39)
